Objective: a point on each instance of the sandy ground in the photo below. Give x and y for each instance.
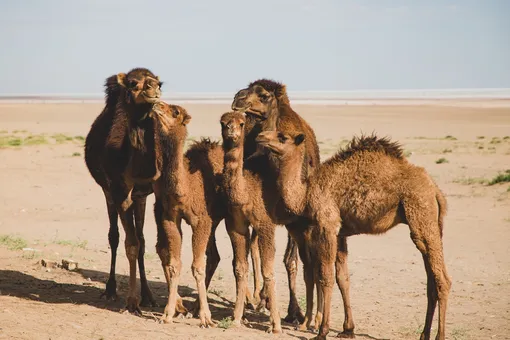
(48, 199)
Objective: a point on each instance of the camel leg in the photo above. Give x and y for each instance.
(298, 234)
(255, 260)
(325, 246)
(122, 197)
(267, 255)
(113, 239)
(290, 259)
(213, 259)
(199, 242)
(158, 214)
(431, 300)
(213, 256)
(342, 280)
(139, 204)
(320, 310)
(426, 236)
(239, 233)
(169, 246)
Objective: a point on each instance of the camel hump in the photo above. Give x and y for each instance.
(371, 143)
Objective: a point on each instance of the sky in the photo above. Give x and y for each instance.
(62, 46)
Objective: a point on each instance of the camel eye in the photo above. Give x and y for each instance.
(160, 84)
(282, 138)
(242, 125)
(133, 83)
(264, 96)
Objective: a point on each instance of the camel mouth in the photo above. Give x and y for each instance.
(255, 114)
(151, 99)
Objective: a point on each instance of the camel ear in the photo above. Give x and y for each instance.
(187, 119)
(281, 92)
(299, 139)
(121, 79)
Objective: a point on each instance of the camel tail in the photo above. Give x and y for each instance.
(443, 207)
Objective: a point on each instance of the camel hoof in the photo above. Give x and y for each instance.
(190, 315)
(165, 319)
(303, 327)
(132, 305)
(294, 317)
(148, 302)
(274, 330)
(346, 335)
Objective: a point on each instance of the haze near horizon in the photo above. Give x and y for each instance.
(64, 47)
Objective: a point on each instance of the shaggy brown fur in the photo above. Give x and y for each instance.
(368, 188)
(189, 189)
(253, 199)
(124, 167)
(267, 108)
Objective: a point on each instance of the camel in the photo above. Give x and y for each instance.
(253, 200)
(128, 97)
(189, 188)
(267, 108)
(116, 148)
(367, 188)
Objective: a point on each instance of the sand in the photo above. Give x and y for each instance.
(49, 200)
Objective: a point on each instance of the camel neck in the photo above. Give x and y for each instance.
(292, 182)
(177, 167)
(233, 178)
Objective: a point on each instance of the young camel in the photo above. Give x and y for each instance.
(367, 188)
(189, 189)
(267, 108)
(253, 200)
(119, 155)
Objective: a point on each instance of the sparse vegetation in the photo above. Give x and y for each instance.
(480, 137)
(449, 137)
(225, 323)
(74, 244)
(495, 140)
(76, 154)
(506, 138)
(12, 242)
(61, 138)
(17, 139)
(407, 153)
(447, 151)
(441, 160)
(480, 147)
(471, 180)
(501, 178)
(302, 302)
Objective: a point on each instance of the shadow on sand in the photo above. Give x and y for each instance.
(25, 286)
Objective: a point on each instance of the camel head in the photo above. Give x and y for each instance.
(139, 86)
(260, 98)
(171, 116)
(232, 128)
(281, 144)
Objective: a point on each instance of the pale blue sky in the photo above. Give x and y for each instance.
(64, 46)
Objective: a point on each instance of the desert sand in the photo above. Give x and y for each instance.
(50, 203)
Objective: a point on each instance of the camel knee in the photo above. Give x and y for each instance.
(198, 272)
(132, 251)
(240, 270)
(113, 238)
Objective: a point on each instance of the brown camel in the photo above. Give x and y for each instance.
(267, 108)
(189, 188)
(253, 200)
(367, 188)
(117, 148)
